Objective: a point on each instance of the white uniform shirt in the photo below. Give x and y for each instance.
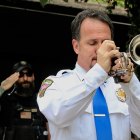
(67, 105)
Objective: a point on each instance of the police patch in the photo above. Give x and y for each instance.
(121, 95)
(45, 84)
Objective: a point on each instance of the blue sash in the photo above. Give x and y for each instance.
(101, 116)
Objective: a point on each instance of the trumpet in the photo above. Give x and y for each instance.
(134, 49)
(133, 53)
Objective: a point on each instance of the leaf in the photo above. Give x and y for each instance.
(44, 2)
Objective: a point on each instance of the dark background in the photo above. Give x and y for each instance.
(42, 37)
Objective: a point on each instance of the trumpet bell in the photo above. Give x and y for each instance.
(134, 49)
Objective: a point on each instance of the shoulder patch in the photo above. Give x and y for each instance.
(45, 84)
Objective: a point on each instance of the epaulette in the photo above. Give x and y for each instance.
(64, 72)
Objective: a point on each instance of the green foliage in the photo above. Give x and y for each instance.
(109, 4)
(120, 3)
(44, 2)
(133, 9)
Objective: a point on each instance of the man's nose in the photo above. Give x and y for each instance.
(98, 45)
(25, 77)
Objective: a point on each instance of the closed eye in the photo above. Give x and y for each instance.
(93, 42)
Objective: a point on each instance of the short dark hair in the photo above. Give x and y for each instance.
(89, 13)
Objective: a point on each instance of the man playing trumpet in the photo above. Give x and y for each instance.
(85, 103)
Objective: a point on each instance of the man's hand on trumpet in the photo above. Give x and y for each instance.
(123, 68)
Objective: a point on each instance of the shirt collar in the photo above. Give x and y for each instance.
(80, 71)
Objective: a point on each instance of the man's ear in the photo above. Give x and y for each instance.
(75, 45)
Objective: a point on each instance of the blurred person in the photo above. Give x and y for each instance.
(87, 103)
(20, 118)
(5, 85)
(8, 82)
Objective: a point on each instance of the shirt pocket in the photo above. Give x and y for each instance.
(82, 127)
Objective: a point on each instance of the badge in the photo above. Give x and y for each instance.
(25, 115)
(45, 84)
(121, 95)
(34, 110)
